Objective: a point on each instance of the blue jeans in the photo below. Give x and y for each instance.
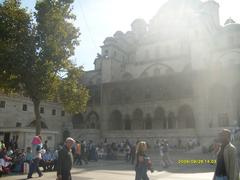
(221, 178)
(141, 172)
(34, 166)
(78, 160)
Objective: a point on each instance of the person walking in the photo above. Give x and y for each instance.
(165, 157)
(84, 153)
(34, 165)
(65, 160)
(78, 160)
(143, 162)
(227, 162)
(133, 151)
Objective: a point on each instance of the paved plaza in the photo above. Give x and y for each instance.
(120, 170)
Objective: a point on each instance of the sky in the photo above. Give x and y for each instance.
(98, 19)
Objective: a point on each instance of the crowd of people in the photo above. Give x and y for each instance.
(13, 159)
(89, 151)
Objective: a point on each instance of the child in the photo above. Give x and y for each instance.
(29, 155)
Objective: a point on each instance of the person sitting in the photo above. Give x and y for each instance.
(18, 160)
(47, 161)
(5, 162)
(55, 159)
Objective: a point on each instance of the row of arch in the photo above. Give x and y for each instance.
(159, 120)
(90, 122)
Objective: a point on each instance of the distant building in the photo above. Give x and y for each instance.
(176, 76)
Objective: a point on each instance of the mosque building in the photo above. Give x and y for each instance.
(174, 77)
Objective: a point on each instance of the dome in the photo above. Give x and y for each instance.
(232, 28)
(139, 26)
(139, 21)
(129, 34)
(109, 40)
(118, 34)
(179, 6)
(211, 2)
(229, 21)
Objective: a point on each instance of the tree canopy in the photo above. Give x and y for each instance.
(35, 51)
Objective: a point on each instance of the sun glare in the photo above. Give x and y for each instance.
(130, 10)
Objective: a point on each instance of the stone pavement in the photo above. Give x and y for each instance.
(120, 170)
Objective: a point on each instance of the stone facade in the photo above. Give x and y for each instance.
(176, 76)
(17, 120)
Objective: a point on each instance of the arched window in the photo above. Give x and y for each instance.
(93, 120)
(160, 118)
(106, 52)
(127, 123)
(171, 120)
(148, 122)
(186, 117)
(115, 120)
(138, 119)
(77, 121)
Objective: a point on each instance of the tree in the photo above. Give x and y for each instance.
(15, 43)
(35, 54)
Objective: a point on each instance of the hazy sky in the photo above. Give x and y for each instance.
(99, 19)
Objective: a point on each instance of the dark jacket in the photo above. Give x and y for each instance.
(65, 162)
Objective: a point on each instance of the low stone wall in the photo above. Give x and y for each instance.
(86, 134)
(205, 137)
(151, 136)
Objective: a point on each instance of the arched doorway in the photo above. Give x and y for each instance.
(115, 120)
(77, 121)
(92, 120)
(160, 121)
(138, 119)
(148, 122)
(127, 123)
(172, 121)
(186, 117)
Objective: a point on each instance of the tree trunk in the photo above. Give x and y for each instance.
(36, 104)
